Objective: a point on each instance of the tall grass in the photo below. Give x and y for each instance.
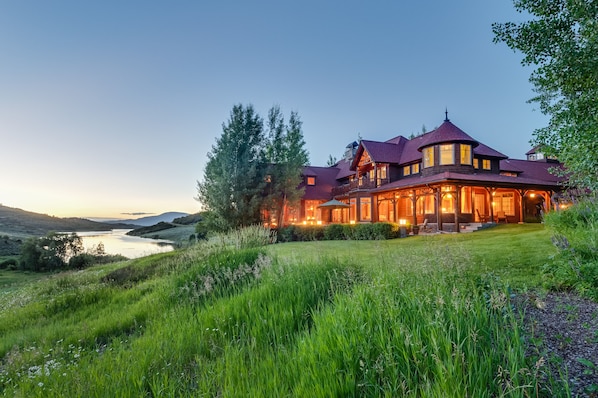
(219, 321)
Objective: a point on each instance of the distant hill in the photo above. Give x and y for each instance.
(151, 220)
(21, 223)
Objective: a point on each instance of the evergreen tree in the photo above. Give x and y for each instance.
(286, 156)
(234, 175)
(331, 161)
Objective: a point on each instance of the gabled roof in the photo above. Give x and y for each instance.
(325, 181)
(535, 149)
(446, 133)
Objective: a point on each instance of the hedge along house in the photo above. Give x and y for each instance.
(445, 177)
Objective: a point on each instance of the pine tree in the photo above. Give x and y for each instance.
(234, 176)
(286, 156)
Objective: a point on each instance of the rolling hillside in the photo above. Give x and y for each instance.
(21, 223)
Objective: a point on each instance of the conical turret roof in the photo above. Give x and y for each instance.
(447, 133)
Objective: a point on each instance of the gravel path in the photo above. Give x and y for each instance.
(563, 330)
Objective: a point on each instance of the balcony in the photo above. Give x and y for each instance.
(363, 183)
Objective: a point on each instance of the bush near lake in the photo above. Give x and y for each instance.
(575, 234)
(306, 233)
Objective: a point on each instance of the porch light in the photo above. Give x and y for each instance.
(352, 222)
(532, 195)
(402, 221)
(319, 222)
(304, 222)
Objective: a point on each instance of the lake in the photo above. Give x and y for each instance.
(117, 242)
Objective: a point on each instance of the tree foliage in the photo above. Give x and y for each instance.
(234, 176)
(562, 41)
(50, 252)
(286, 156)
(250, 170)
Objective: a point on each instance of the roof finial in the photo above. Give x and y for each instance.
(446, 119)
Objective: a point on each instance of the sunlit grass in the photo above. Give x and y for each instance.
(423, 316)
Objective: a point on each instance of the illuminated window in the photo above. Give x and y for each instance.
(476, 163)
(406, 170)
(311, 180)
(415, 168)
(312, 213)
(365, 209)
(466, 199)
(447, 154)
(486, 164)
(448, 203)
(353, 210)
(426, 204)
(428, 156)
(465, 154)
(382, 172)
(383, 210)
(504, 202)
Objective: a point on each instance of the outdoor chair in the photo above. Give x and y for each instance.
(424, 227)
(500, 215)
(482, 218)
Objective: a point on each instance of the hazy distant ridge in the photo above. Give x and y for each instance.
(150, 220)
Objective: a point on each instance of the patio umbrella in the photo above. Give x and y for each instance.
(333, 204)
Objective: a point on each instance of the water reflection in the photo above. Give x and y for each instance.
(117, 242)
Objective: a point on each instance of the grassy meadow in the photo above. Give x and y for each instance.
(426, 316)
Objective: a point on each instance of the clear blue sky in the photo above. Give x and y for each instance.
(110, 107)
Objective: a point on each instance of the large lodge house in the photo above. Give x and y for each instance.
(444, 178)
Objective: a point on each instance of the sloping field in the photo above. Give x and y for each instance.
(423, 316)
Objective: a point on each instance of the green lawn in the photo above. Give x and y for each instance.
(423, 316)
(513, 252)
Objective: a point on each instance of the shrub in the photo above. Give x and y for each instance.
(576, 237)
(7, 264)
(286, 234)
(334, 232)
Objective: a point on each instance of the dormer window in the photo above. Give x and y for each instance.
(465, 154)
(447, 154)
(311, 180)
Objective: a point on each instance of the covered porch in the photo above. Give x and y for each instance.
(451, 205)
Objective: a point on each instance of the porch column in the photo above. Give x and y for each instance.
(490, 191)
(457, 207)
(521, 193)
(438, 208)
(414, 202)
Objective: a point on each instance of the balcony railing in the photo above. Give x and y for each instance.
(358, 184)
